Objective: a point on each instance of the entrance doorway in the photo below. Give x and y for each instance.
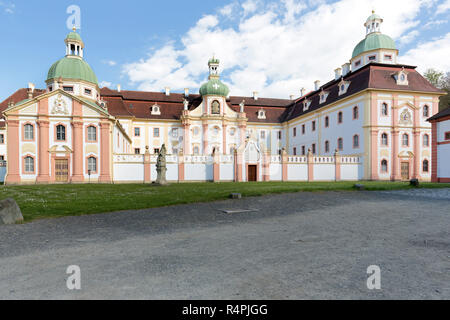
(252, 171)
(62, 170)
(405, 171)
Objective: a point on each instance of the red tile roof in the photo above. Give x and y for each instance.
(18, 96)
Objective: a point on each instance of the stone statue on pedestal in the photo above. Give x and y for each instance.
(161, 167)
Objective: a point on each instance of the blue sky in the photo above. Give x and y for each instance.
(274, 47)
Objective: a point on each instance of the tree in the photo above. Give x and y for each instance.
(440, 81)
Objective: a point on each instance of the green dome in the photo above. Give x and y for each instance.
(72, 68)
(74, 36)
(374, 41)
(373, 17)
(214, 87)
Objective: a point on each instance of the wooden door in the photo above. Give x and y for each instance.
(405, 170)
(252, 172)
(61, 170)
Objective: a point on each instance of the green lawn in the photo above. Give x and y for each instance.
(50, 201)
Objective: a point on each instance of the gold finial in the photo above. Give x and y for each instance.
(373, 11)
(74, 28)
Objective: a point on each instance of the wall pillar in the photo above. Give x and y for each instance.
(374, 155)
(147, 166)
(224, 130)
(105, 170)
(310, 158)
(416, 148)
(43, 152)
(180, 166)
(77, 152)
(266, 166)
(205, 138)
(216, 166)
(337, 163)
(395, 160)
(186, 137)
(13, 157)
(434, 155)
(239, 157)
(284, 165)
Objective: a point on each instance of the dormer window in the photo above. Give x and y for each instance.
(372, 58)
(401, 77)
(156, 110)
(68, 89)
(87, 91)
(306, 105)
(261, 114)
(343, 87)
(323, 96)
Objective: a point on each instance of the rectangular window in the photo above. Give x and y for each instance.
(68, 89)
(303, 129)
(295, 132)
(313, 148)
(357, 63)
(92, 133)
(175, 132)
(295, 151)
(29, 165)
(313, 126)
(372, 58)
(29, 132)
(279, 135)
(137, 132)
(387, 57)
(2, 138)
(137, 151)
(92, 165)
(447, 135)
(156, 132)
(87, 91)
(303, 150)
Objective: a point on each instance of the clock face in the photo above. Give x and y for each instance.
(215, 107)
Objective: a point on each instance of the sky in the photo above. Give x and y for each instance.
(273, 47)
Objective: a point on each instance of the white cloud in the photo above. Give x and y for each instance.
(105, 84)
(274, 48)
(443, 7)
(8, 7)
(410, 36)
(431, 23)
(110, 63)
(431, 54)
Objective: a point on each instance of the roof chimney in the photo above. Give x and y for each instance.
(186, 92)
(316, 85)
(167, 91)
(345, 69)
(30, 90)
(119, 87)
(255, 95)
(337, 73)
(302, 91)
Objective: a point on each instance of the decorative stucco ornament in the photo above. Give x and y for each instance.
(405, 117)
(60, 106)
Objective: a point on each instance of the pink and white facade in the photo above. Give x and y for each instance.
(368, 123)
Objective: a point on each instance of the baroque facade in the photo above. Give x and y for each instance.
(368, 122)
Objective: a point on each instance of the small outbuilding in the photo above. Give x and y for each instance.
(441, 146)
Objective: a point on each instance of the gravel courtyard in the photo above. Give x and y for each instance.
(291, 246)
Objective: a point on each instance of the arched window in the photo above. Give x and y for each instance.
(92, 164)
(355, 113)
(426, 140)
(327, 122)
(384, 109)
(405, 140)
(92, 133)
(426, 111)
(60, 133)
(340, 117)
(355, 141)
(327, 146)
(29, 132)
(340, 144)
(29, 164)
(425, 166)
(384, 139)
(384, 166)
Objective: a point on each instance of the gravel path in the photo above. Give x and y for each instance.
(292, 246)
